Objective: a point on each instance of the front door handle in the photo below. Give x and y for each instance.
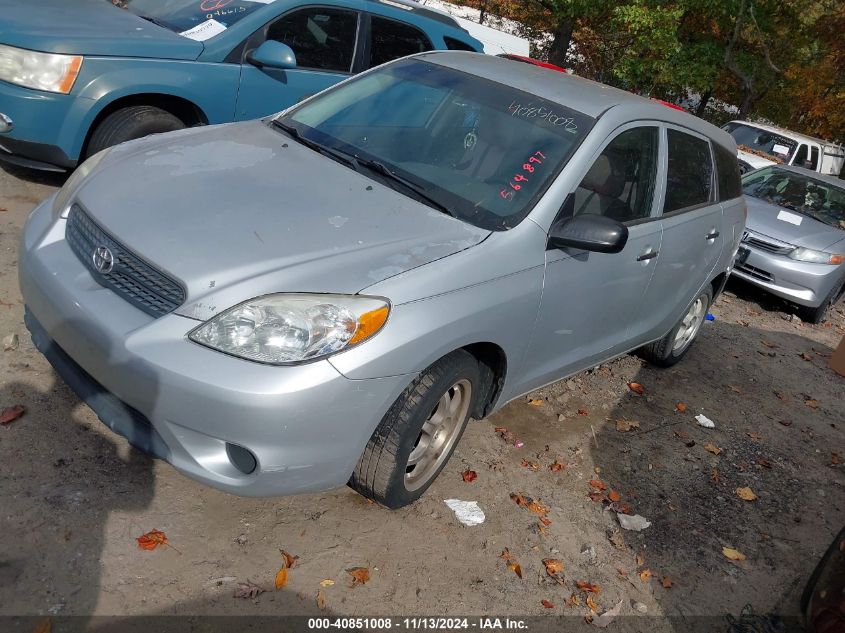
(712, 235)
(646, 256)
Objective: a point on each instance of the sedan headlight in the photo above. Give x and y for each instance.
(61, 203)
(282, 329)
(39, 71)
(816, 257)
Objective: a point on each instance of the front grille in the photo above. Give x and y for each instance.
(766, 243)
(137, 282)
(757, 273)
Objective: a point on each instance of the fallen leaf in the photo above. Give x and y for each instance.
(806, 356)
(715, 476)
(45, 625)
(596, 483)
(616, 538)
(573, 601)
(743, 323)
(527, 463)
(547, 604)
(592, 604)
(645, 575)
(623, 508)
(712, 448)
(519, 499)
(621, 573)
(553, 566)
(623, 425)
(835, 459)
(281, 578)
(556, 466)
(507, 556)
(667, 582)
(536, 402)
(813, 404)
(588, 587)
(469, 475)
(515, 568)
(640, 559)
(746, 494)
(680, 407)
(614, 496)
(754, 436)
(10, 414)
(152, 539)
(500, 429)
(782, 396)
(596, 496)
(360, 575)
(735, 389)
(733, 554)
(538, 508)
(248, 590)
(290, 559)
(328, 582)
(636, 387)
(545, 521)
(583, 412)
(769, 345)
(765, 463)
(320, 599)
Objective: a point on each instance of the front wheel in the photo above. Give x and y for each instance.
(130, 123)
(419, 432)
(672, 347)
(816, 315)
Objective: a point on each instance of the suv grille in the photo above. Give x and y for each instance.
(766, 243)
(137, 282)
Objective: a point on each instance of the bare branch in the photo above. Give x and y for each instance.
(729, 60)
(763, 41)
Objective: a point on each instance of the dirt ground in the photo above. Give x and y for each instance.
(75, 496)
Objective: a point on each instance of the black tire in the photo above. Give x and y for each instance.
(382, 471)
(130, 123)
(816, 315)
(661, 352)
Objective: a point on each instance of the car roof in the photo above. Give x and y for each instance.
(829, 179)
(784, 132)
(581, 94)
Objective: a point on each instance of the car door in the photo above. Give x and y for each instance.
(391, 39)
(591, 300)
(692, 230)
(324, 41)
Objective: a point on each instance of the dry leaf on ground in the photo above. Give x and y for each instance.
(515, 568)
(645, 575)
(328, 582)
(469, 475)
(597, 483)
(360, 575)
(733, 554)
(536, 402)
(614, 496)
(813, 404)
(556, 466)
(531, 465)
(281, 578)
(765, 463)
(248, 590)
(320, 599)
(623, 425)
(616, 539)
(715, 476)
(547, 604)
(746, 494)
(769, 345)
(681, 407)
(553, 566)
(290, 559)
(712, 448)
(152, 539)
(636, 387)
(573, 601)
(587, 586)
(592, 604)
(583, 412)
(10, 414)
(754, 436)
(835, 459)
(667, 582)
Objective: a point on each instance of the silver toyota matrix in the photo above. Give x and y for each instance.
(329, 295)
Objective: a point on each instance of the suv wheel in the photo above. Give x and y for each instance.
(672, 347)
(130, 123)
(417, 435)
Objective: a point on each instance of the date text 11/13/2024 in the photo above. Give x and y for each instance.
(419, 623)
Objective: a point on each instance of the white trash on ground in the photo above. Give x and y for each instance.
(633, 522)
(607, 617)
(467, 512)
(704, 421)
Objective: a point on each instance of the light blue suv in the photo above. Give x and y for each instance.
(77, 76)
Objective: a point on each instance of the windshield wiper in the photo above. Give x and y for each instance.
(419, 191)
(295, 134)
(155, 21)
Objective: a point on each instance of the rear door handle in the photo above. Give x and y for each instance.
(712, 236)
(645, 256)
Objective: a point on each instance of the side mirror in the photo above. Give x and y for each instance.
(589, 232)
(273, 54)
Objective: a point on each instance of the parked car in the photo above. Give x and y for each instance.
(761, 145)
(794, 243)
(823, 599)
(533, 62)
(328, 295)
(78, 77)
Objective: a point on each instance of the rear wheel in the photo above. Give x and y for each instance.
(672, 347)
(130, 123)
(816, 315)
(418, 434)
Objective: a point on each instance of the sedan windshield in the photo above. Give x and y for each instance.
(184, 15)
(476, 149)
(761, 142)
(818, 199)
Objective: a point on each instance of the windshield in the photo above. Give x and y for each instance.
(477, 149)
(818, 199)
(185, 15)
(762, 143)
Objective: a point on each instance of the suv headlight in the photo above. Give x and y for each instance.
(39, 71)
(816, 257)
(61, 203)
(283, 329)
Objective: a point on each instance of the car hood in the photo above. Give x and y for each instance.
(240, 210)
(810, 233)
(754, 160)
(89, 27)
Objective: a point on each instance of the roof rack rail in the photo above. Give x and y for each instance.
(416, 7)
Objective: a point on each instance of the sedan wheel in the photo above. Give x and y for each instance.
(672, 347)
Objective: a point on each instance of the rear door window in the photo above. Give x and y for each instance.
(727, 169)
(322, 38)
(689, 176)
(391, 40)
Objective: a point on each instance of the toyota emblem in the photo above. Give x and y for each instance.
(103, 260)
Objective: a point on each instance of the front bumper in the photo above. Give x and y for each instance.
(305, 426)
(800, 282)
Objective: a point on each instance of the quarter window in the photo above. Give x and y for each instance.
(620, 183)
(391, 40)
(689, 177)
(321, 38)
(727, 168)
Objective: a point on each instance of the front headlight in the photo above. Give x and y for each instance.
(61, 203)
(282, 329)
(39, 71)
(816, 257)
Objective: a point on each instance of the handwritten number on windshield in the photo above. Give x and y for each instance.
(527, 167)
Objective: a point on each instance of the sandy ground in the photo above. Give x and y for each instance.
(75, 496)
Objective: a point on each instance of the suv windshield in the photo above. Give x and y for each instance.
(183, 15)
(761, 142)
(479, 150)
(818, 199)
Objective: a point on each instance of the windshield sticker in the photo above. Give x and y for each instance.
(544, 114)
(515, 184)
(204, 31)
(780, 149)
(792, 218)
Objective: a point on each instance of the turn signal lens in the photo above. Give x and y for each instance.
(368, 324)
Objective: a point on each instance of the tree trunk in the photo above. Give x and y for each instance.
(482, 13)
(558, 53)
(702, 103)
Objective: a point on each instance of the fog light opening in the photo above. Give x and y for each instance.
(241, 458)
